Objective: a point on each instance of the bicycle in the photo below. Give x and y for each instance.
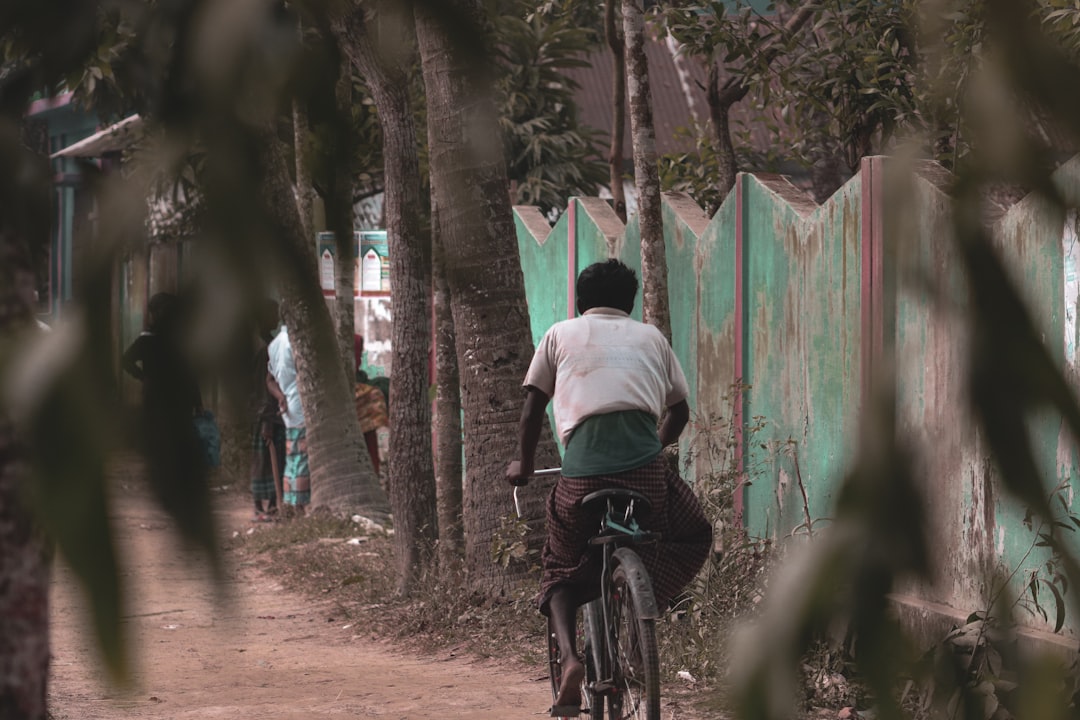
(618, 630)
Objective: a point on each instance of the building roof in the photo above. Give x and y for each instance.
(678, 90)
(672, 108)
(114, 138)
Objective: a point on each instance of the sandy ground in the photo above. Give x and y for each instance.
(268, 654)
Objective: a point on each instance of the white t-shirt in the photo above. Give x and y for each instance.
(283, 368)
(603, 362)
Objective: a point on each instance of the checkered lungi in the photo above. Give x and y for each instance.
(686, 534)
(297, 475)
(262, 471)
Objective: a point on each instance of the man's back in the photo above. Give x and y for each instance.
(605, 362)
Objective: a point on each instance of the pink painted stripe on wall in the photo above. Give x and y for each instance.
(740, 337)
(872, 298)
(571, 259)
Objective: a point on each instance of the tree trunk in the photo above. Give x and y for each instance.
(721, 99)
(483, 272)
(615, 43)
(340, 211)
(411, 469)
(342, 477)
(448, 468)
(24, 567)
(719, 114)
(304, 189)
(654, 295)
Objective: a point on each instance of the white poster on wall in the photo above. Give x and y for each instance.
(326, 271)
(1070, 249)
(371, 271)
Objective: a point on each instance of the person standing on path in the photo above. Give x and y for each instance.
(283, 384)
(371, 411)
(268, 431)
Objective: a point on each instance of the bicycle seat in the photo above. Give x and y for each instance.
(596, 502)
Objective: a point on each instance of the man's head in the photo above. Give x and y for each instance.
(162, 309)
(269, 317)
(606, 284)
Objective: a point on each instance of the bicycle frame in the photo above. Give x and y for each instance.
(607, 679)
(615, 535)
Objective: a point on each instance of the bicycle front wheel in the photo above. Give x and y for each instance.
(637, 661)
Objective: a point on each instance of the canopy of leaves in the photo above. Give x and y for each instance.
(550, 156)
(864, 76)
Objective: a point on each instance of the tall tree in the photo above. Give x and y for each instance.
(342, 477)
(448, 467)
(549, 154)
(24, 568)
(385, 58)
(305, 191)
(654, 295)
(614, 37)
(483, 272)
(339, 205)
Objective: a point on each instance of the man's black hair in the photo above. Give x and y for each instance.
(606, 284)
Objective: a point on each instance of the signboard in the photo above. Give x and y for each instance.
(372, 257)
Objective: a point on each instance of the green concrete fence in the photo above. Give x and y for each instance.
(801, 302)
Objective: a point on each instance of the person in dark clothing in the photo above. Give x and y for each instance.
(156, 360)
(177, 462)
(268, 433)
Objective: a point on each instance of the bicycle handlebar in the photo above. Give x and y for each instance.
(546, 472)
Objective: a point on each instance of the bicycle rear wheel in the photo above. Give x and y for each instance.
(593, 627)
(637, 661)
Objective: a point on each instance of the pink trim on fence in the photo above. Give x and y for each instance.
(740, 336)
(872, 311)
(571, 258)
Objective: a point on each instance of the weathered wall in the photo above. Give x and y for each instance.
(801, 302)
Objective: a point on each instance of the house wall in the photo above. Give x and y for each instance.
(803, 303)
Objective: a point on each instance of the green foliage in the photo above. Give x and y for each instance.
(510, 544)
(733, 580)
(549, 154)
(695, 171)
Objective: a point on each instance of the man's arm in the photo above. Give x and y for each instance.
(275, 390)
(674, 421)
(133, 358)
(532, 420)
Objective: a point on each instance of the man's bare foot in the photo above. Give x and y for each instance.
(573, 672)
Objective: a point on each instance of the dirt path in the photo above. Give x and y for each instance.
(268, 654)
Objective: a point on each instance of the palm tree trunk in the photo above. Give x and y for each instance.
(342, 477)
(340, 207)
(304, 188)
(411, 469)
(483, 272)
(448, 468)
(654, 295)
(24, 567)
(613, 34)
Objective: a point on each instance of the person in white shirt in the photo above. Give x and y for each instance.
(284, 386)
(611, 378)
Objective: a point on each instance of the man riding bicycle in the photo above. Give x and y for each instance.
(611, 377)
